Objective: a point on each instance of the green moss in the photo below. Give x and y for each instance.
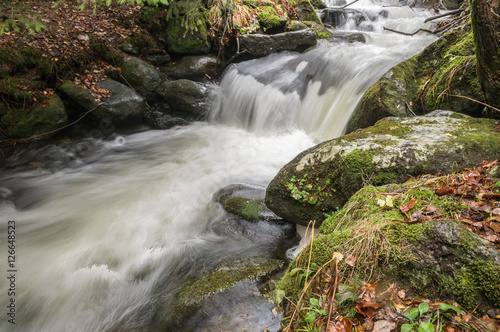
(225, 277)
(244, 207)
(481, 279)
(269, 19)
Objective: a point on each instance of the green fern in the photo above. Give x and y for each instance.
(18, 16)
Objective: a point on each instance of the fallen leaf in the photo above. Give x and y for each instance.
(444, 190)
(491, 238)
(407, 207)
(351, 260)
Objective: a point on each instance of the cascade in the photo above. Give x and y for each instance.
(106, 228)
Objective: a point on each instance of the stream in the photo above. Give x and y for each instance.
(104, 228)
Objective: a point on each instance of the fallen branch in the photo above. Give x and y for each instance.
(453, 12)
(474, 100)
(409, 34)
(348, 4)
(26, 140)
(409, 108)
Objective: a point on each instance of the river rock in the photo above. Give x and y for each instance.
(143, 77)
(124, 107)
(246, 202)
(186, 96)
(446, 66)
(260, 45)
(44, 118)
(160, 118)
(334, 17)
(181, 40)
(192, 68)
(321, 179)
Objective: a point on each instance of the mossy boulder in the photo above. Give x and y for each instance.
(321, 179)
(246, 202)
(259, 45)
(77, 99)
(305, 10)
(47, 117)
(142, 76)
(270, 21)
(425, 82)
(439, 258)
(182, 39)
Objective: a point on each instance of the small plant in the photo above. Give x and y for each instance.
(421, 318)
(311, 312)
(300, 190)
(302, 275)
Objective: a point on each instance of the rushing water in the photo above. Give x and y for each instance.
(104, 226)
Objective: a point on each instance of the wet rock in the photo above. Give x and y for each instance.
(322, 179)
(158, 58)
(124, 107)
(305, 10)
(143, 77)
(186, 96)
(334, 17)
(45, 118)
(260, 45)
(161, 120)
(318, 4)
(349, 37)
(296, 26)
(192, 68)
(246, 202)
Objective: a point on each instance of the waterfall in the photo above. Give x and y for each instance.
(104, 228)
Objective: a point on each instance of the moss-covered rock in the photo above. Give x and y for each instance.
(321, 180)
(246, 202)
(270, 21)
(47, 117)
(425, 82)
(142, 76)
(194, 291)
(439, 259)
(182, 39)
(305, 10)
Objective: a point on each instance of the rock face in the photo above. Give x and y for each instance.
(125, 106)
(186, 96)
(42, 119)
(260, 45)
(321, 179)
(446, 67)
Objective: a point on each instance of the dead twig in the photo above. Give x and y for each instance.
(474, 100)
(334, 292)
(422, 92)
(453, 12)
(409, 108)
(409, 34)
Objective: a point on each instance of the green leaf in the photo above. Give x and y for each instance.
(444, 307)
(423, 308)
(406, 327)
(314, 302)
(310, 316)
(294, 271)
(323, 312)
(412, 314)
(426, 327)
(389, 201)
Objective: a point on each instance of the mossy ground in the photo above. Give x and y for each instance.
(381, 237)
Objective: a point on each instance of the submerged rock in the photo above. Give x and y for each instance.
(320, 180)
(246, 202)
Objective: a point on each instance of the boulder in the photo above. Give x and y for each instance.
(157, 119)
(192, 67)
(142, 76)
(270, 21)
(260, 45)
(446, 67)
(321, 180)
(186, 96)
(124, 107)
(334, 17)
(44, 118)
(246, 202)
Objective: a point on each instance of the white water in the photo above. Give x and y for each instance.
(97, 241)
